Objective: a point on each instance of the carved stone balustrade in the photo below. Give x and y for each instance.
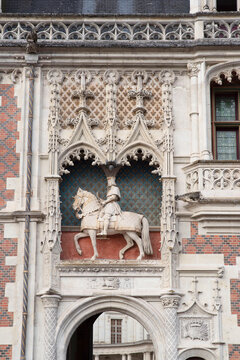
(209, 26)
(213, 178)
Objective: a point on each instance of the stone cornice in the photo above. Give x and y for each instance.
(19, 216)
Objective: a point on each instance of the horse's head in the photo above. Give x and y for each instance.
(82, 198)
(78, 200)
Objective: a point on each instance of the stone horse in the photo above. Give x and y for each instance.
(130, 225)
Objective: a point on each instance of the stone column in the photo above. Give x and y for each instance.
(50, 303)
(193, 69)
(129, 357)
(124, 357)
(170, 305)
(96, 357)
(147, 355)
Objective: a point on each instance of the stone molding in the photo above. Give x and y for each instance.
(111, 266)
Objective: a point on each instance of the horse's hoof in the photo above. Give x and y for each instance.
(120, 256)
(79, 252)
(139, 257)
(94, 257)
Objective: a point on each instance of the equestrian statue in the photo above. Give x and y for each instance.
(104, 217)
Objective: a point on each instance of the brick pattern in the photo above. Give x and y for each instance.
(9, 166)
(234, 352)
(235, 299)
(229, 245)
(8, 247)
(5, 352)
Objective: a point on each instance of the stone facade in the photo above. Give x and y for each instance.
(88, 100)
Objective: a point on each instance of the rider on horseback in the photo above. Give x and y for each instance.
(110, 205)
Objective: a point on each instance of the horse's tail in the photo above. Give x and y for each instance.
(147, 246)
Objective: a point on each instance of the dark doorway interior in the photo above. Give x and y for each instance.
(195, 358)
(81, 344)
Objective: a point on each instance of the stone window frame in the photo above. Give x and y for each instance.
(225, 125)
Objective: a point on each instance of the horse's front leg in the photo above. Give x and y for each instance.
(93, 235)
(76, 238)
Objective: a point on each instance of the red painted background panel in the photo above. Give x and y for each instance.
(107, 248)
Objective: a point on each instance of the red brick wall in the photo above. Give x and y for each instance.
(8, 247)
(9, 165)
(5, 352)
(229, 245)
(235, 299)
(234, 352)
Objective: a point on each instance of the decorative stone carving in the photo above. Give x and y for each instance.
(228, 74)
(195, 329)
(193, 68)
(168, 214)
(15, 75)
(31, 38)
(51, 247)
(113, 267)
(110, 283)
(196, 321)
(82, 141)
(170, 305)
(170, 301)
(221, 29)
(218, 176)
(50, 303)
(140, 78)
(167, 78)
(127, 223)
(112, 78)
(90, 30)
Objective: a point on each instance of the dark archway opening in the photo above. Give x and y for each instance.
(195, 358)
(81, 344)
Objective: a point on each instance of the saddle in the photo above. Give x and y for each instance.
(126, 221)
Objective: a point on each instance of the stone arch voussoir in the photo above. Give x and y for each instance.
(197, 352)
(139, 309)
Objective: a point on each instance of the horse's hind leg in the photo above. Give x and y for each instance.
(138, 241)
(76, 238)
(92, 234)
(130, 243)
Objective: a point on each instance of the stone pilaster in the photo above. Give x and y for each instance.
(194, 69)
(50, 303)
(170, 304)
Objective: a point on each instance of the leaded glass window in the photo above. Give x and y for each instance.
(226, 107)
(227, 145)
(226, 124)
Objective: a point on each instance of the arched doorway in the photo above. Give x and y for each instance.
(110, 336)
(81, 343)
(82, 310)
